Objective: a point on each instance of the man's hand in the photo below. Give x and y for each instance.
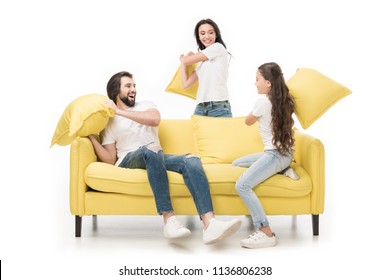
(112, 104)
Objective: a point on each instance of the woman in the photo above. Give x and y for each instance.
(273, 112)
(212, 98)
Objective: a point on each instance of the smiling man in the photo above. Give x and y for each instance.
(130, 140)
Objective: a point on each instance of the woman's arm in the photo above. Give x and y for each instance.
(192, 58)
(189, 79)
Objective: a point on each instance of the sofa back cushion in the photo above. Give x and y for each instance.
(222, 140)
(176, 136)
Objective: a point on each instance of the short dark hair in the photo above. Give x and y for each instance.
(114, 84)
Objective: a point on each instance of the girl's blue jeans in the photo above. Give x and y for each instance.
(260, 166)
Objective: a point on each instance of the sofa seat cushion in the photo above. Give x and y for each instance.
(222, 177)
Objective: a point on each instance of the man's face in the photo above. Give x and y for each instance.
(127, 92)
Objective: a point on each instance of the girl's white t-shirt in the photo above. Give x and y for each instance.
(213, 75)
(262, 110)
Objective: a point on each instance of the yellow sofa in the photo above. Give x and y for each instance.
(97, 188)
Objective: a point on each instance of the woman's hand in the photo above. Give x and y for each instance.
(182, 56)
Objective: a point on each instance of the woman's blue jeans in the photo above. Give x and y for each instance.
(157, 163)
(261, 166)
(220, 109)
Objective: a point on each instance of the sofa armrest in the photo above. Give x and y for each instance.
(310, 154)
(81, 155)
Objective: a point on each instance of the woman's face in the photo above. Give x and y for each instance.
(263, 85)
(207, 34)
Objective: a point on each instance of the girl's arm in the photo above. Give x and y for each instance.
(251, 119)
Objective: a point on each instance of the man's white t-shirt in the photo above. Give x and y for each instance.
(213, 75)
(262, 110)
(129, 135)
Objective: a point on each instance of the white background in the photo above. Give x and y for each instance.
(54, 51)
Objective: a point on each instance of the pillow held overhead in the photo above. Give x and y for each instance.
(175, 86)
(314, 93)
(87, 114)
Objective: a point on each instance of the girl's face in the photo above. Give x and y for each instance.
(207, 34)
(263, 85)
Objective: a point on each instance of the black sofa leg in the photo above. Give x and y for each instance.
(78, 226)
(315, 219)
(94, 222)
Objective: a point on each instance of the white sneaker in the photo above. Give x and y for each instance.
(258, 240)
(219, 230)
(175, 229)
(291, 173)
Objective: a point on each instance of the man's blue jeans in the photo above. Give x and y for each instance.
(214, 109)
(157, 163)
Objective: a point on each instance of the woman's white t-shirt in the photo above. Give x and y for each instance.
(213, 75)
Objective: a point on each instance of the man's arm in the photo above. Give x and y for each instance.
(149, 117)
(106, 153)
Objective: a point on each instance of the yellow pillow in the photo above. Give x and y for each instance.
(85, 115)
(175, 86)
(314, 94)
(222, 140)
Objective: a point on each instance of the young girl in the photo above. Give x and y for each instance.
(273, 111)
(212, 98)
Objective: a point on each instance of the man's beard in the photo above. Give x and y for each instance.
(129, 103)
